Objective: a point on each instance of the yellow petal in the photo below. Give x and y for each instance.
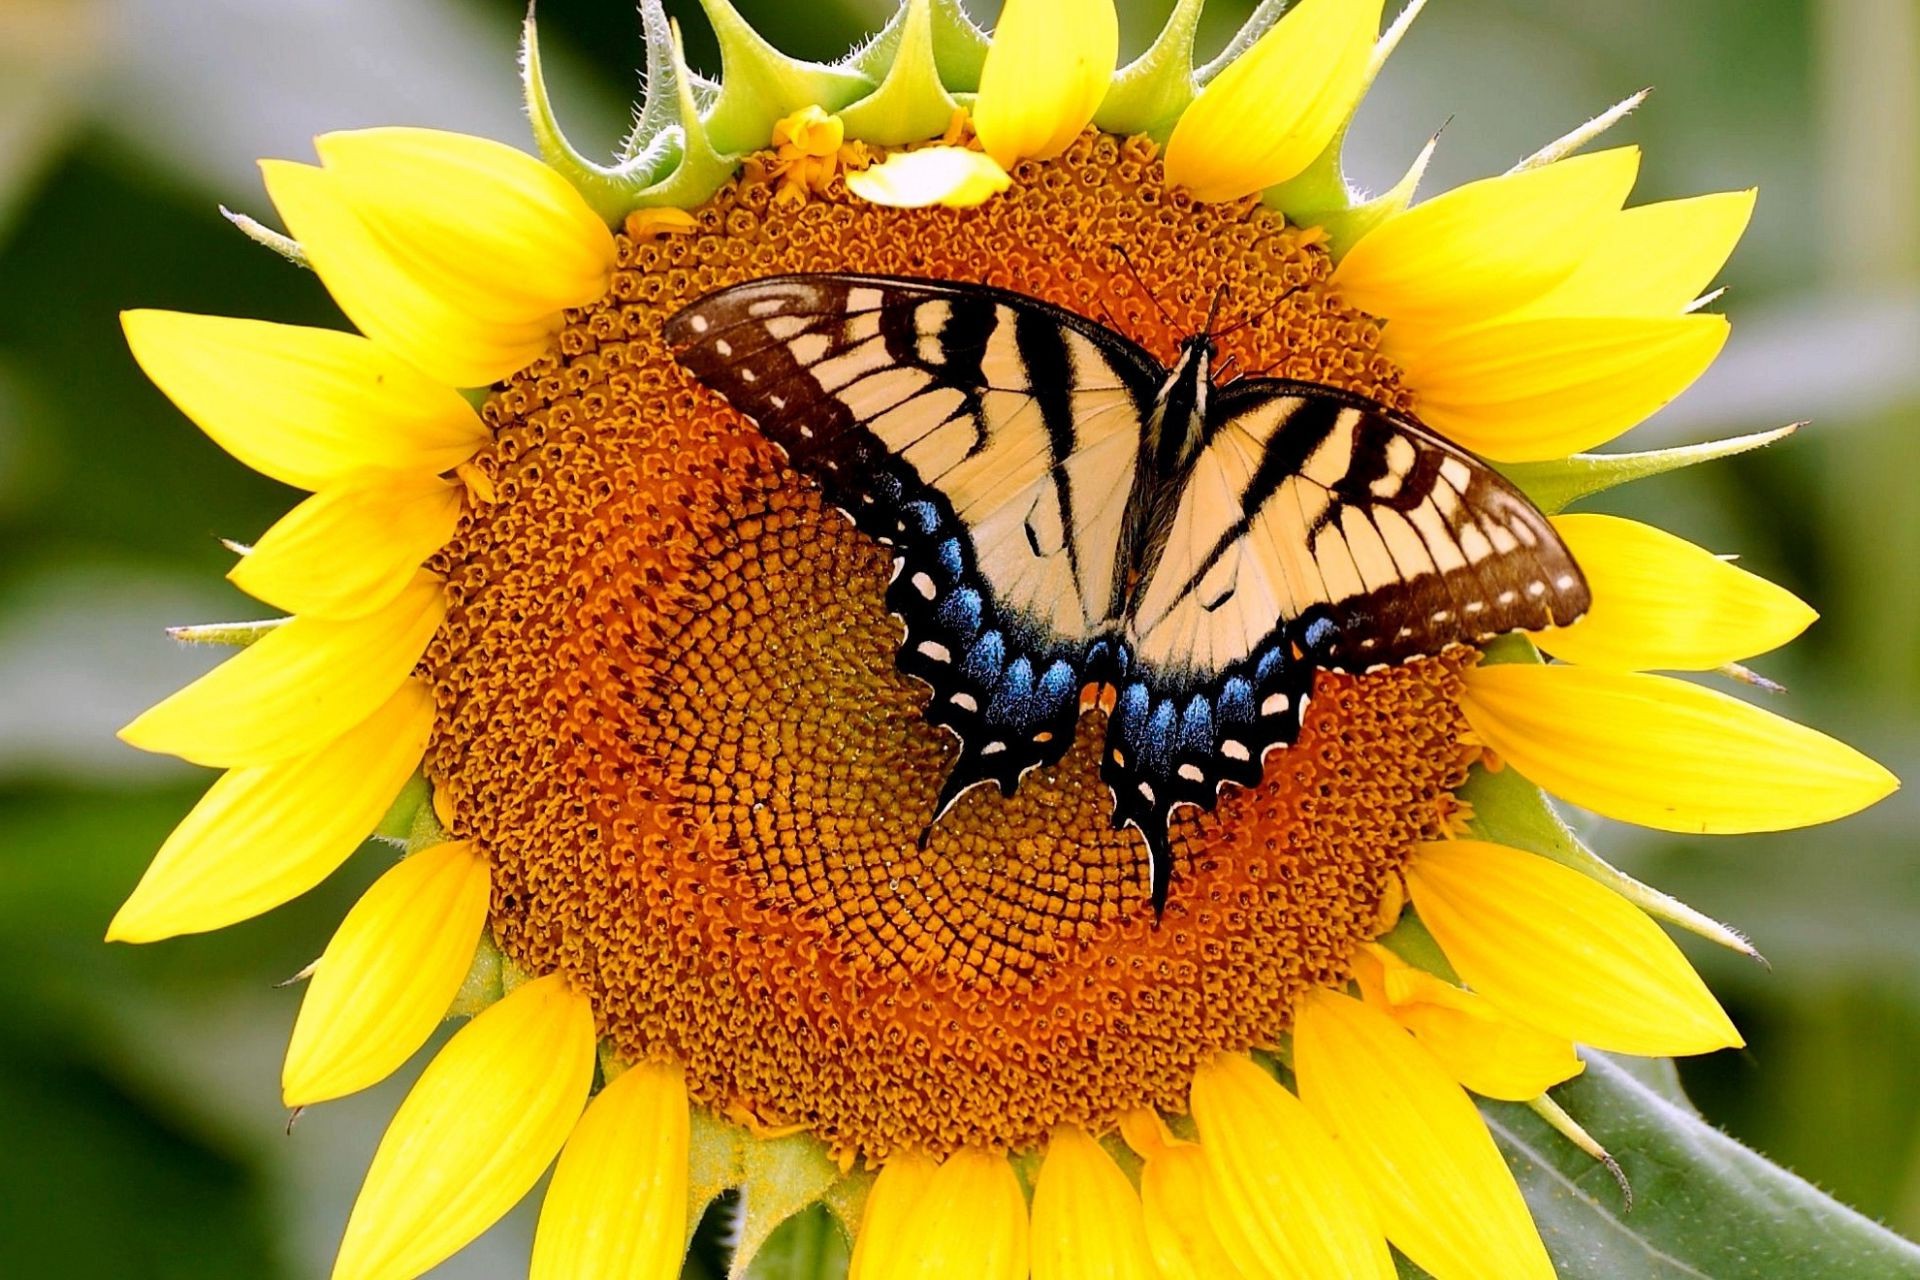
(1661, 602)
(1530, 390)
(1442, 1190)
(884, 1245)
(1174, 1198)
(474, 218)
(1286, 1201)
(1663, 753)
(296, 688)
(385, 981)
(953, 176)
(305, 406)
(352, 547)
(262, 836)
(617, 1207)
(1652, 260)
(1047, 70)
(479, 1128)
(1489, 246)
(1277, 106)
(1086, 1215)
(1481, 1046)
(392, 300)
(1562, 951)
(965, 1219)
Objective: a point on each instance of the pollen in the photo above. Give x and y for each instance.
(669, 712)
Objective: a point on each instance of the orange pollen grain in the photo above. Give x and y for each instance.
(669, 712)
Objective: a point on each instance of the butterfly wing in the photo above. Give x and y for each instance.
(991, 440)
(1314, 529)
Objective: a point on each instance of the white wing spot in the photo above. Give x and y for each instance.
(1146, 791)
(924, 585)
(766, 306)
(778, 402)
(724, 347)
(1234, 749)
(1508, 597)
(1476, 606)
(993, 748)
(1192, 773)
(1404, 633)
(1276, 704)
(699, 324)
(748, 375)
(935, 650)
(1536, 589)
(1443, 615)
(964, 701)
(1565, 582)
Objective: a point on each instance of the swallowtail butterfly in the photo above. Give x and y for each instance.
(1064, 510)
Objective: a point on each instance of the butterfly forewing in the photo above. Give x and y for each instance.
(991, 440)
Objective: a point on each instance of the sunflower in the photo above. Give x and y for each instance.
(661, 783)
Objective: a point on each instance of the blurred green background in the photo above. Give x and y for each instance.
(140, 1129)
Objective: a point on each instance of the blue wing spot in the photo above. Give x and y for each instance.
(1196, 727)
(1160, 738)
(952, 559)
(1236, 701)
(924, 515)
(1014, 694)
(1056, 684)
(985, 659)
(961, 611)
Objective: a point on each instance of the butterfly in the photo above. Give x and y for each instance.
(1064, 511)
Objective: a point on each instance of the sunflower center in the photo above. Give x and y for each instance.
(669, 712)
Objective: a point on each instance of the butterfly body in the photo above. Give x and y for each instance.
(1064, 511)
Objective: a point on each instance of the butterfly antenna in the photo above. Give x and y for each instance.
(1246, 320)
(1213, 308)
(1152, 297)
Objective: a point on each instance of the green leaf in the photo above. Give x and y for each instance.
(1705, 1206)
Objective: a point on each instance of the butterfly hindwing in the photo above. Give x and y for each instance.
(991, 440)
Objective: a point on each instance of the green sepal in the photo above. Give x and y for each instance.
(1320, 196)
(911, 104)
(810, 1245)
(236, 634)
(425, 831)
(1574, 139)
(959, 47)
(1149, 93)
(1509, 810)
(660, 106)
(714, 1151)
(1410, 940)
(759, 84)
(1258, 23)
(265, 236)
(1345, 221)
(608, 189)
(702, 169)
(397, 826)
(846, 1199)
(1555, 485)
(485, 983)
(779, 1177)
